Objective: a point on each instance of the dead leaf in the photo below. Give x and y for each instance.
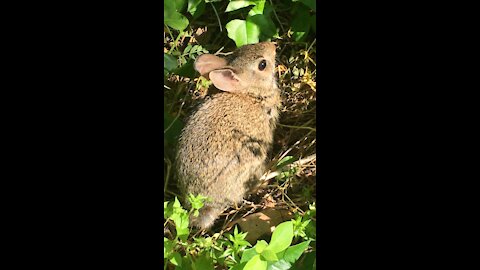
(263, 222)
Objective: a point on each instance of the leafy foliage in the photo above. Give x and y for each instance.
(258, 24)
(228, 249)
(172, 14)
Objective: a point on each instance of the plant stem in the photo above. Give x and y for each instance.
(298, 127)
(218, 18)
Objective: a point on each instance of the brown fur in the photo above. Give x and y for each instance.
(223, 147)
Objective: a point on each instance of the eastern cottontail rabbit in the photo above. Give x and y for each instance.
(223, 147)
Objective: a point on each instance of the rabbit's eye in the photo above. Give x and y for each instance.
(262, 65)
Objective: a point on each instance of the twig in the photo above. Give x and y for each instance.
(174, 43)
(169, 165)
(275, 13)
(169, 32)
(178, 114)
(173, 193)
(218, 18)
(313, 42)
(219, 50)
(298, 127)
(303, 161)
(296, 207)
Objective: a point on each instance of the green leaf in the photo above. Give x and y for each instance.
(180, 5)
(239, 266)
(238, 4)
(248, 254)
(294, 252)
(169, 62)
(176, 205)
(167, 247)
(311, 230)
(299, 27)
(312, 4)
(181, 226)
(186, 263)
(269, 255)
(196, 7)
(230, 237)
(176, 259)
(260, 246)
(187, 49)
(176, 21)
(306, 262)
(197, 202)
(180, 218)
(279, 265)
(227, 252)
(282, 237)
(258, 8)
(252, 31)
(285, 161)
(203, 263)
(237, 31)
(186, 70)
(172, 17)
(263, 25)
(257, 26)
(256, 264)
(167, 210)
(313, 23)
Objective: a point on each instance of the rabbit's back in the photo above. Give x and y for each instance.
(224, 146)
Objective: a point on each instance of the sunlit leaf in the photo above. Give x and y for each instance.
(237, 31)
(269, 255)
(282, 237)
(279, 265)
(285, 161)
(176, 259)
(172, 17)
(248, 254)
(258, 8)
(260, 246)
(294, 252)
(238, 4)
(256, 263)
(196, 7)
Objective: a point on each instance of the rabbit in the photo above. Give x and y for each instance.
(224, 145)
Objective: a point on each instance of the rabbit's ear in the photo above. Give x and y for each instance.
(226, 80)
(208, 62)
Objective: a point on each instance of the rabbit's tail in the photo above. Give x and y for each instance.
(207, 216)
